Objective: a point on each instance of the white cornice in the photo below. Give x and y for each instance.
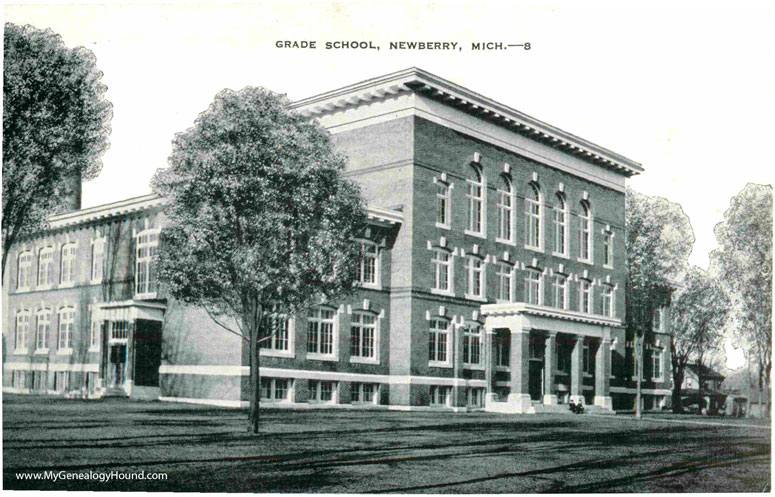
(433, 87)
(506, 309)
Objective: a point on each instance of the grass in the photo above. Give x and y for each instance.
(206, 449)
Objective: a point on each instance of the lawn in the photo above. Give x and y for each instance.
(205, 449)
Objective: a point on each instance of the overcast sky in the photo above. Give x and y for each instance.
(686, 90)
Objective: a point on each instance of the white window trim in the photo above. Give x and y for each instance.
(45, 286)
(375, 397)
(377, 334)
(475, 366)
(512, 277)
(450, 273)
(69, 349)
(447, 397)
(73, 273)
(529, 216)
(512, 225)
(483, 211)
(450, 339)
(291, 352)
(45, 348)
(103, 241)
(447, 225)
(566, 293)
(611, 311)
(95, 347)
(273, 382)
(566, 215)
(334, 355)
(469, 272)
(608, 234)
(377, 285)
(149, 231)
(24, 349)
(30, 265)
(334, 392)
(661, 355)
(528, 271)
(591, 235)
(591, 296)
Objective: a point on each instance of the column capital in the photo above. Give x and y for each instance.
(551, 334)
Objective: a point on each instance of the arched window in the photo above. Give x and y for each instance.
(24, 276)
(22, 328)
(42, 327)
(66, 320)
(67, 264)
(46, 266)
(475, 196)
(585, 232)
(560, 226)
(506, 211)
(533, 216)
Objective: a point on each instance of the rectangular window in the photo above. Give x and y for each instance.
(474, 277)
(362, 335)
(97, 259)
(472, 345)
(560, 228)
(119, 330)
(440, 395)
(43, 326)
(61, 381)
(585, 232)
(322, 391)
(533, 287)
(364, 393)
(22, 328)
(320, 331)
(560, 291)
(589, 359)
(505, 215)
(608, 249)
(67, 264)
(475, 397)
(275, 389)
(607, 298)
(656, 364)
(66, 318)
(505, 275)
(437, 340)
(39, 380)
(658, 324)
(369, 268)
(585, 296)
(475, 199)
(533, 217)
(502, 345)
(24, 279)
(145, 275)
(442, 203)
(276, 333)
(46, 267)
(442, 264)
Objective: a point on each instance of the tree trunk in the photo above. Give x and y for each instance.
(676, 400)
(254, 320)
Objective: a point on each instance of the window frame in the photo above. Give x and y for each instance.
(273, 390)
(358, 393)
(586, 222)
(25, 268)
(473, 342)
(607, 301)
(318, 354)
(443, 203)
(48, 273)
(506, 212)
(318, 389)
(556, 287)
(434, 350)
(656, 358)
(375, 336)
(66, 319)
(94, 277)
(20, 346)
(68, 264)
(376, 257)
(149, 276)
(589, 293)
(500, 276)
(42, 317)
(437, 264)
(529, 284)
(434, 395)
(534, 218)
(272, 349)
(608, 249)
(479, 221)
(475, 274)
(560, 227)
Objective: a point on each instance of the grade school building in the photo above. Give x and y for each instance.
(493, 278)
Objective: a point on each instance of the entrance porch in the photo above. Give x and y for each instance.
(542, 356)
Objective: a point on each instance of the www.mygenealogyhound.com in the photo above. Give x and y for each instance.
(100, 476)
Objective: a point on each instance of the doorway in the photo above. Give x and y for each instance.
(117, 365)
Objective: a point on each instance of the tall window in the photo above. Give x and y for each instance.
(362, 335)
(46, 267)
(24, 279)
(560, 226)
(502, 346)
(585, 233)
(97, 258)
(66, 319)
(472, 345)
(589, 359)
(42, 327)
(437, 340)
(505, 211)
(607, 298)
(442, 265)
(656, 364)
(608, 249)
(442, 203)
(533, 287)
(368, 271)
(505, 276)
(659, 321)
(560, 291)
(474, 277)
(585, 296)
(22, 328)
(145, 276)
(67, 264)
(276, 333)
(320, 331)
(533, 217)
(475, 196)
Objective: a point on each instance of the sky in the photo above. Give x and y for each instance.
(686, 89)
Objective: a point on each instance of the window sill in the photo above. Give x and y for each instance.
(67, 351)
(473, 367)
(560, 254)
(321, 402)
(41, 352)
(95, 282)
(534, 249)
(474, 233)
(502, 368)
(322, 357)
(370, 286)
(585, 261)
(437, 364)
(475, 297)
(446, 293)
(276, 353)
(506, 242)
(44, 287)
(443, 226)
(559, 372)
(94, 348)
(608, 266)
(23, 351)
(23, 289)
(67, 284)
(364, 360)
(143, 296)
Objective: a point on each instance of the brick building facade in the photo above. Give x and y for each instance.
(493, 277)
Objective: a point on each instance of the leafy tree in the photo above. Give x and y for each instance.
(699, 312)
(56, 124)
(659, 239)
(260, 219)
(743, 261)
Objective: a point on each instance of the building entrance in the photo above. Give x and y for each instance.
(117, 365)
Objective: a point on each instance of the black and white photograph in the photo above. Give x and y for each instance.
(352, 247)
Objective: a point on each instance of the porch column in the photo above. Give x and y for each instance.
(577, 371)
(550, 398)
(603, 375)
(519, 396)
(489, 364)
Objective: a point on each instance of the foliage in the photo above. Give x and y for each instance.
(698, 314)
(259, 217)
(743, 262)
(56, 124)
